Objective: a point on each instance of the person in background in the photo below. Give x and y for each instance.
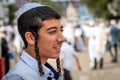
(114, 32)
(100, 44)
(41, 30)
(9, 30)
(78, 34)
(108, 45)
(12, 50)
(66, 55)
(90, 33)
(18, 42)
(4, 48)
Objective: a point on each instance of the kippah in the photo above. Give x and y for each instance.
(26, 7)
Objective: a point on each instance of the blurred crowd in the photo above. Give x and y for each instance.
(97, 36)
(11, 44)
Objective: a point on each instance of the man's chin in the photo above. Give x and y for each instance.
(55, 57)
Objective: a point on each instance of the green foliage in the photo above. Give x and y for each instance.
(51, 4)
(99, 8)
(11, 12)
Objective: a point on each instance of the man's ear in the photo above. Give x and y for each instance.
(30, 38)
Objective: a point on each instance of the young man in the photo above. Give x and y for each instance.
(41, 31)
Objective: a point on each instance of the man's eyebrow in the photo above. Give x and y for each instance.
(51, 28)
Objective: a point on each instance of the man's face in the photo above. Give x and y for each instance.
(50, 38)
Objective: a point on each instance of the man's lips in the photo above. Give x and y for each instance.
(57, 48)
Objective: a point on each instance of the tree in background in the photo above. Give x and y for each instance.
(99, 8)
(51, 4)
(11, 13)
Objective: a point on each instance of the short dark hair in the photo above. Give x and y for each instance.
(32, 20)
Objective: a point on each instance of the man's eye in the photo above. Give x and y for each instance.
(52, 32)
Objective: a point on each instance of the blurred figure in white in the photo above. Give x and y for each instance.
(69, 33)
(66, 55)
(90, 32)
(78, 33)
(100, 44)
(9, 30)
(17, 41)
(12, 50)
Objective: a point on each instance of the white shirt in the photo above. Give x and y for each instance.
(78, 32)
(27, 69)
(67, 52)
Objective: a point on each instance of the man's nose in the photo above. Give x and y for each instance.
(61, 37)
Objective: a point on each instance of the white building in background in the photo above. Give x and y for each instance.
(7, 2)
(19, 3)
(64, 0)
(64, 3)
(3, 7)
(1, 12)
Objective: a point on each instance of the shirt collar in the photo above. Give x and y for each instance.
(31, 62)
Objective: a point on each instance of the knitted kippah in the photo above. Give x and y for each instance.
(26, 7)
